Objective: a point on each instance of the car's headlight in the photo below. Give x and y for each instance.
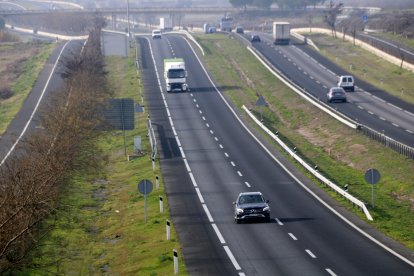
(239, 211)
(266, 209)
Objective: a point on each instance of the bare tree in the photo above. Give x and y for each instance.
(331, 15)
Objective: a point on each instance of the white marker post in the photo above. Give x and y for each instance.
(168, 230)
(157, 182)
(161, 205)
(175, 261)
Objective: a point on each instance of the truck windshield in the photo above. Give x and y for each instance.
(176, 73)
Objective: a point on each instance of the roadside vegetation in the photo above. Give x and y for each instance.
(96, 224)
(342, 154)
(367, 66)
(20, 66)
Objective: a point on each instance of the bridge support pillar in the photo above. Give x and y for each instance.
(113, 17)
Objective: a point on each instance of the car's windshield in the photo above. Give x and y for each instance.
(246, 199)
(176, 73)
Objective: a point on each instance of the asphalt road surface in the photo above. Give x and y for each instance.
(49, 80)
(207, 157)
(369, 105)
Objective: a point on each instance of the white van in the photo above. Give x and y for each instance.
(347, 83)
(156, 34)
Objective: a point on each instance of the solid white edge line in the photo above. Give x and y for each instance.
(178, 141)
(182, 152)
(193, 179)
(218, 233)
(36, 106)
(310, 253)
(186, 165)
(232, 259)
(210, 218)
(200, 196)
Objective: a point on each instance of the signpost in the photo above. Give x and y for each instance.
(261, 102)
(145, 187)
(372, 176)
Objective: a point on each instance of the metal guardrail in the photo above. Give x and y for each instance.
(399, 147)
(311, 169)
(388, 142)
(153, 140)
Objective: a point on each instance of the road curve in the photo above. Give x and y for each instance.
(48, 81)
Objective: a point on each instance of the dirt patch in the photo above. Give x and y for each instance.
(12, 59)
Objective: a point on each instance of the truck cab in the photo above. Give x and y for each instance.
(175, 75)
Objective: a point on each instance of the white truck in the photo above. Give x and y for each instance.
(166, 24)
(175, 74)
(281, 33)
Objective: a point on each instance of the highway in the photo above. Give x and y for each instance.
(368, 105)
(208, 156)
(48, 81)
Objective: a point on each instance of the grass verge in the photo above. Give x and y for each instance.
(341, 154)
(367, 66)
(100, 228)
(24, 84)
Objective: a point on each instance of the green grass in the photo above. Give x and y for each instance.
(24, 84)
(99, 228)
(367, 66)
(396, 37)
(341, 154)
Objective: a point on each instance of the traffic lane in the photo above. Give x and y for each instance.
(394, 48)
(220, 184)
(360, 83)
(290, 196)
(364, 100)
(353, 111)
(214, 189)
(201, 250)
(19, 122)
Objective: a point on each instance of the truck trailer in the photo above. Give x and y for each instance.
(175, 75)
(166, 24)
(281, 33)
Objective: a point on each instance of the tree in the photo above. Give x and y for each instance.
(2, 23)
(331, 15)
(264, 4)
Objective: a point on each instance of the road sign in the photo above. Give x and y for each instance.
(145, 187)
(372, 176)
(365, 18)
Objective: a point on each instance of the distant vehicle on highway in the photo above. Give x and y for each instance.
(281, 33)
(255, 38)
(347, 83)
(251, 205)
(212, 30)
(239, 30)
(156, 34)
(175, 74)
(336, 94)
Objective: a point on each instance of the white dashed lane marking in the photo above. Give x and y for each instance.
(310, 253)
(293, 236)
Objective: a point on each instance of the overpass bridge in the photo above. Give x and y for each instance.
(112, 11)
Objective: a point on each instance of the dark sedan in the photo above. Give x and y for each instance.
(251, 205)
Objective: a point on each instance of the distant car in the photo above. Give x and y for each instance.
(347, 83)
(251, 205)
(239, 30)
(255, 38)
(336, 94)
(156, 34)
(212, 30)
